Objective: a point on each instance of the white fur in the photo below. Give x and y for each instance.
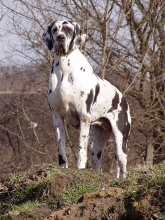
(86, 101)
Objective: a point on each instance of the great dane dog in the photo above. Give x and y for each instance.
(86, 101)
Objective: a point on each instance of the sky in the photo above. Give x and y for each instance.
(5, 38)
(9, 41)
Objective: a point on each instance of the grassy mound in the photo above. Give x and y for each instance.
(52, 190)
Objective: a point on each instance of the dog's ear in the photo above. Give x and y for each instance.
(47, 37)
(79, 38)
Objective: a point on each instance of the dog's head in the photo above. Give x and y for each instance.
(63, 36)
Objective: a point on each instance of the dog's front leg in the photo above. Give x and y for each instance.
(58, 123)
(83, 141)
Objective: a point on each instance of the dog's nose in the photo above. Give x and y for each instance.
(60, 37)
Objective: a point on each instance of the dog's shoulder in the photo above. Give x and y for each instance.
(78, 60)
(77, 55)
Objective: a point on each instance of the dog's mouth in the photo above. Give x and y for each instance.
(60, 50)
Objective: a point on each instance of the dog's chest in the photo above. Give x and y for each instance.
(62, 89)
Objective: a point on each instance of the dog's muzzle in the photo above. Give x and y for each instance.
(60, 45)
(60, 38)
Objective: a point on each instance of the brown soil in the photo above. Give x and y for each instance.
(105, 204)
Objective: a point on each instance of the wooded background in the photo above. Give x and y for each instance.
(126, 45)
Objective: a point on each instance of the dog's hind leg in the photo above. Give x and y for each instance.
(120, 148)
(120, 122)
(98, 139)
(58, 123)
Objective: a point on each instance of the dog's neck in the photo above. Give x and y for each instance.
(63, 57)
(62, 67)
(65, 61)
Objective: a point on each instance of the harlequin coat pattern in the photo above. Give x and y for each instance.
(86, 101)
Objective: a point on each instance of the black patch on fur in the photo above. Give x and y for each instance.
(115, 157)
(49, 106)
(52, 69)
(123, 124)
(62, 77)
(50, 27)
(89, 100)
(97, 90)
(50, 45)
(70, 79)
(65, 22)
(73, 37)
(78, 30)
(99, 154)
(49, 91)
(57, 64)
(122, 116)
(84, 70)
(49, 41)
(60, 160)
(124, 104)
(81, 93)
(115, 102)
(81, 68)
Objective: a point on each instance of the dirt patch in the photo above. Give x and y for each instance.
(85, 194)
(107, 203)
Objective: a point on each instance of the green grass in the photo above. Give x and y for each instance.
(86, 175)
(54, 171)
(24, 194)
(73, 194)
(28, 206)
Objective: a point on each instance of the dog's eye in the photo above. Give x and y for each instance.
(68, 29)
(54, 30)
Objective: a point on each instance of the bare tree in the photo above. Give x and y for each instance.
(133, 34)
(146, 25)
